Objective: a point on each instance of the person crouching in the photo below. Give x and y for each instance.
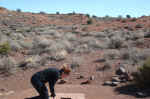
(50, 75)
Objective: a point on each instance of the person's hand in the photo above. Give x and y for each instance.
(53, 95)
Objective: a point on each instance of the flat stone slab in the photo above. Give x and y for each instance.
(70, 96)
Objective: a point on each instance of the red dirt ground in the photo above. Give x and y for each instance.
(20, 82)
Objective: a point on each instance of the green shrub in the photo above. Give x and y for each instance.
(87, 15)
(142, 76)
(57, 13)
(4, 48)
(128, 16)
(18, 10)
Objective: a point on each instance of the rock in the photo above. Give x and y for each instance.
(141, 94)
(62, 81)
(111, 83)
(107, 83)
(120, 71)
(9, 92)
(125, 77)
(115, 83)
(92, 77)
(86, 82)
(80, 77)
(115, 79)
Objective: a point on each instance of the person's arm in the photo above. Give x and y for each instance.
(51, 86)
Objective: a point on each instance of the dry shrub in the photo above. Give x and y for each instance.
(7, 65)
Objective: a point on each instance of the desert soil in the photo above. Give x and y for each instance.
(20, 82)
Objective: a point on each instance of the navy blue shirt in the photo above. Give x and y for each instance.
(50, 75)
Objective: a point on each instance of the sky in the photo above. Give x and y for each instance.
(114, 8)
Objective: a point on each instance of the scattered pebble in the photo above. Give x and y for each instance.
(140, 94)
(107, 83)
(62, 81)
(86, 82)
(92, 77)
(115, 83)
(80, 77)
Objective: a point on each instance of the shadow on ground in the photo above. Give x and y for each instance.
(132, 90)
(35, 97)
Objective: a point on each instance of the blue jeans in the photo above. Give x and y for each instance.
(40, 87)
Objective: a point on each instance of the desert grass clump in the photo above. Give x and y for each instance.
(4, 48)
(141, 77)
(7, 65)
(116, 43)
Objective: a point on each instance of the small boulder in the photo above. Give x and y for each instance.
(107, 83)
(80, 77)
(92, 78)
(141, 94)
(121, 70)
(115, 79)
(115, 83)
(86, 82)
(62, 81)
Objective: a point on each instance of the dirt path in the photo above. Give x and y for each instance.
(90, 91)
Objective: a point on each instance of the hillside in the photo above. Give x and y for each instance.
(30, 42)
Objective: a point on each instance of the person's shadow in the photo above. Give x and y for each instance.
(35, 97)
